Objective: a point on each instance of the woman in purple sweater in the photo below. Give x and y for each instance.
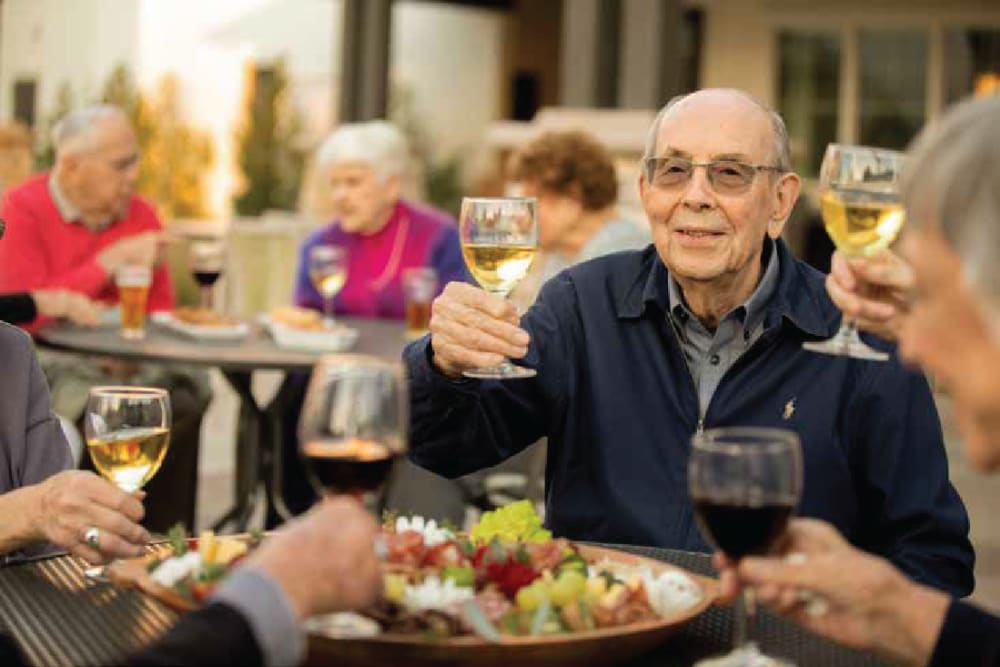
(383, 234)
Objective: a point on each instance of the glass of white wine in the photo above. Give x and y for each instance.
(863, 214)
(328, 273)
(128, 433)
(499, 239)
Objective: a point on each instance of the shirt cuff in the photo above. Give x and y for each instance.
(267, 610)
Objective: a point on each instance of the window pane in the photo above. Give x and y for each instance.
(972, 63)
(893, 73)
(808, 93)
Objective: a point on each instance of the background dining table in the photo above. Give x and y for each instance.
(260, 427)
(60, 618)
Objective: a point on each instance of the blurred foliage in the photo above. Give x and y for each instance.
(45, 154)
(441, 178)
(269, 154)
(176, 158)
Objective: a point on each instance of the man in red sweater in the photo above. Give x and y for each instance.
(72, 229)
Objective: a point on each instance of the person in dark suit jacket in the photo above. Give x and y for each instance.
(322, 562)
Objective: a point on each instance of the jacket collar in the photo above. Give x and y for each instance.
(799, 296)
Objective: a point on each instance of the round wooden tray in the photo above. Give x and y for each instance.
(592, 648)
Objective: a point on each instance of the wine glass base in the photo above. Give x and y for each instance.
(745, 656)
(502, 372)
(850, 348)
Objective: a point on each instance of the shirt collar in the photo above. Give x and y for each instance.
(70, 213)
(752, 311)
(796, 295)
(67, 211)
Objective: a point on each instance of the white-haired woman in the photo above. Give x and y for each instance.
(941, 303)
(383, 234)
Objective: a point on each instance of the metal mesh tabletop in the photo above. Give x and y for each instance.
(58, 617)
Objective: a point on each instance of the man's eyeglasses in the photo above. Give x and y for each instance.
(728, 176)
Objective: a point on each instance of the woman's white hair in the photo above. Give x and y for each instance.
(952, 178)
(376, 144)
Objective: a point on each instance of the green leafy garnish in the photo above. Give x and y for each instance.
(153, 564)
(256, 537)
(177, 536)
(210, 572)
(517, 522)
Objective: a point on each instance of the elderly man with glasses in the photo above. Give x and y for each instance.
(637, 351)
(72, 229)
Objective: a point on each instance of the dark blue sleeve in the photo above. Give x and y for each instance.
(913, 515)
(446, 258)
(969, 636)
(460, 426)
(306, 294)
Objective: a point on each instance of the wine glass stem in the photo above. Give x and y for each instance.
(206, 296)
(744, 619)
(327, 309)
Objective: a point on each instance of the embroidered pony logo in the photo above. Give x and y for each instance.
(789, 409)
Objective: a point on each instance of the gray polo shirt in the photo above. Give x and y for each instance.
(709, 354)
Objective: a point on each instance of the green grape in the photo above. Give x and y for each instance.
(531, 597)
(568, 587)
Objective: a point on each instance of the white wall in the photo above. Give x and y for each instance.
(451, 58)
(57, 41)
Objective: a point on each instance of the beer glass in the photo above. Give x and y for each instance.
(133, 283)
(419, 288)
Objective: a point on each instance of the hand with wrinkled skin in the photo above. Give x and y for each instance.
(145, 249)
(875, 293)
(62, 508)
(869, 604)
(60, 303)
(471, 328)
(325, 560)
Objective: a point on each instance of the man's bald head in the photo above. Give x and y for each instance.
(81, 131)
(728, 96)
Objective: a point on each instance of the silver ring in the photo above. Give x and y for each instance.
(93, 537)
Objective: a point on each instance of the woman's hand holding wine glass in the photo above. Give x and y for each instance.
(745, 483)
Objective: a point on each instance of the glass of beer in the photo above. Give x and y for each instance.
(328, 273)
(863, 214)
(133, 291)
(499, 238)
(128, 433)
(419, 288)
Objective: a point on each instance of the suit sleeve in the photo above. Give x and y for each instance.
(916, 518)
(46, 449)
(214, 635)
(969, 636)
(461, 426)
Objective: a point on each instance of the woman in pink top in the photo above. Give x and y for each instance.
(383, 234)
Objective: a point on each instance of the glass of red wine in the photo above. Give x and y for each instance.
(353, 425)
(207, 258)
(745, 484)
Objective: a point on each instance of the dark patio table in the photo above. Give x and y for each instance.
(59, 618)
(259, 439)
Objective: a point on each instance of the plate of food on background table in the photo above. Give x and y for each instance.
(201, 324)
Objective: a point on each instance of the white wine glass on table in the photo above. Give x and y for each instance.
(328, 273)
(207, 259)
(863, 213)
(745, 484)
(128, 433)
(499, 238)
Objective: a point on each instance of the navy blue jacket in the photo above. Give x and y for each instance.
(617, 402)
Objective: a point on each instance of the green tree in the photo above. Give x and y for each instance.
(45, 154)
(269, 154)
